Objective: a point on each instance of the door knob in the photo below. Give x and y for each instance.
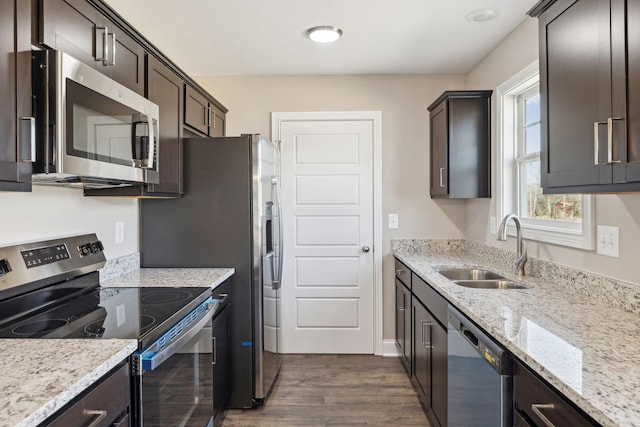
(366, 249)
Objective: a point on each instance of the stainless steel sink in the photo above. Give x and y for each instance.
(469, 274)
(490, 284)
(479, 278)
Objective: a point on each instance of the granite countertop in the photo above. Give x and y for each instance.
(41, 376)
(177, 277)
(583, 341)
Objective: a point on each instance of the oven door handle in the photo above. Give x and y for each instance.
(150, 359)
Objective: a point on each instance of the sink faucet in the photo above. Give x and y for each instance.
(522, 250)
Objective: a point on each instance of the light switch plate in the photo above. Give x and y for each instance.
(608, 238)
(393, 221)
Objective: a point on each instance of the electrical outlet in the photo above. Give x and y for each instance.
(119, 232)
(492, 225)
(608, 241)
(393, 221)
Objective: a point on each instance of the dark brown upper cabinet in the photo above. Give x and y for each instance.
(590, 85)
(78, 28)
(460, 136)
(164, 88)
(16, 121)
(202, 115)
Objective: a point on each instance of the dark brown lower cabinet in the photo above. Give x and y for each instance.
(105, 404)
(403, 324)
(430, 363)
(537, 404)
(221, 331)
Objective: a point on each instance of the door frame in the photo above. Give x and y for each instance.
(375, 117)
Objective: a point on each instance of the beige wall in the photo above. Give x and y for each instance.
(57, 211)
(403, 100)
(513, 54)
(405, 149)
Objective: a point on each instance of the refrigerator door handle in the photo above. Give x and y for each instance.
(277, 281)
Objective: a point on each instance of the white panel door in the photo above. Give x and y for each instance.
(327, 201)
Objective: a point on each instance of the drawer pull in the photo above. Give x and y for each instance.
(400, 272)
(537, 409)
(100, 415)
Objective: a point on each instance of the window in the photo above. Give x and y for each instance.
(564, 219)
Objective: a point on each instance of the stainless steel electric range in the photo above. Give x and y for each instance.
(51, 289)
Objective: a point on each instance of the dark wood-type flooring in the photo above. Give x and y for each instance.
(333, 391)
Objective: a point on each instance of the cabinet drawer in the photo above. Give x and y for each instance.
(538, 401)
(108, 400)
(428, 296)
(403, 273)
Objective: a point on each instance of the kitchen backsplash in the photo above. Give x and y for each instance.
(613, 292)
(118, 266)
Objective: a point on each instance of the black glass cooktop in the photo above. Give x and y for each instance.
(135, 313)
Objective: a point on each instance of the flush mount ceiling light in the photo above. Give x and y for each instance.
(482, 15)
(324, 34)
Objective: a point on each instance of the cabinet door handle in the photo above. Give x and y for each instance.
(215, 352)
(27, 130)
(610, 139)
(112, 60)
(441, 178)
(596, 143)
(105, 45)
(537, 409)
(425, 343)
(206, 118)
(403, 307)
(100, 414)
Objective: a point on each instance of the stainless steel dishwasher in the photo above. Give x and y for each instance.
(479, 380)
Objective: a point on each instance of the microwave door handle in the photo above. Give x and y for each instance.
(139, 162)
(152, 143)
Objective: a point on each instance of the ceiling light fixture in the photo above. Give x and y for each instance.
(482, 15)
(324, 34)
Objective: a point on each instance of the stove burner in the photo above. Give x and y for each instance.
(146, 321)
(166, 296)
(95, 329)
(39, 326)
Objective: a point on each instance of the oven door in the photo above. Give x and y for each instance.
(174, 385)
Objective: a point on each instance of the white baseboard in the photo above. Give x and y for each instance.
(389, 348)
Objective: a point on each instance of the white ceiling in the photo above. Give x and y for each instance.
(267, 37)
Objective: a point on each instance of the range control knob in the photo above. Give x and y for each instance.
(96, 247)
(84, 250)
(90, 248)
(4, 266)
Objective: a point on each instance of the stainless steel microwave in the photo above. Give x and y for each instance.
(91, 131)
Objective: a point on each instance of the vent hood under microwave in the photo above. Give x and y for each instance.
(91, 131)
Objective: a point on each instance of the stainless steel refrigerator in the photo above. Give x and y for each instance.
(229, 216)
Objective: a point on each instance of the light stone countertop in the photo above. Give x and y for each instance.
(41, 376)
(587, 346)
(168, 277)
